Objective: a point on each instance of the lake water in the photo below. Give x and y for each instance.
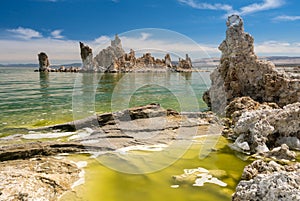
(30, 99)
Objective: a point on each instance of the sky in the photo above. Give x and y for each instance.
(197, 27)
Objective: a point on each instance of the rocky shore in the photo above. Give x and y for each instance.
(261, 106)
(43, 176)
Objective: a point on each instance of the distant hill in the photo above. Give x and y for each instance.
(36, 65)
(19, 65)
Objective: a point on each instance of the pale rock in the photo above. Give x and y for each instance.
(267, 128)
(269, 181)
(107, 57)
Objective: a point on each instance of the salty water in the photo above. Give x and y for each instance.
(29, 99)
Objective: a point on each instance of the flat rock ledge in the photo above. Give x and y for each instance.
(30, 170)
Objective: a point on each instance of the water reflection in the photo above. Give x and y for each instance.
(44, 84)
(84, 93)
(186, 75)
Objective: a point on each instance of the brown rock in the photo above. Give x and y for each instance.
(43, 62)
(241, 74)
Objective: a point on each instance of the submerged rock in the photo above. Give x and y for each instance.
(240, 73)
(269, 181)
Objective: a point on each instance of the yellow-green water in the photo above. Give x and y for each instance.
(103, 183)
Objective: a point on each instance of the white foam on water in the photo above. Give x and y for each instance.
(150, 148)
(203, 176)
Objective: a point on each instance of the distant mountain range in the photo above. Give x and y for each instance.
(36, 65)
(211, 62)
(277, 60)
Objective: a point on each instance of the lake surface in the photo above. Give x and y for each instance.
(30, 99)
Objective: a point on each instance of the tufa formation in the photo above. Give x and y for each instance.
(43, 62)
(240, 73)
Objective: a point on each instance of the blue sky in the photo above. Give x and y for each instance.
(55, 26)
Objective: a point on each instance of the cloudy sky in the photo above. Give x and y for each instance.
(28, 27)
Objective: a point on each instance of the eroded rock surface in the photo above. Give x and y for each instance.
(36, 179)
(185, 63)
(86, 54)
(269, 181)
(106, 58)
(262, 129)
(240, 73)
(43, 62)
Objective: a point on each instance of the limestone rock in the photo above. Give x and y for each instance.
(43, 62)
(185, 63)
(242, 104)
(281, 152)
(107, 57)
(36, 179)
(168, 61)
(240, 73)
(87, 58)
(269, 181)
(266, 128)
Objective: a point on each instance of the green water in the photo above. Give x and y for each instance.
(30, 99)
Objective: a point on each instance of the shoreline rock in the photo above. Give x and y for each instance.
(269, 181)
(36, 179)
(240, 73)
(261, 106)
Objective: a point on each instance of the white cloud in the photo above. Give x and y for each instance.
(25, 51)
(286, 18)
(57, 34)
(102, 40)
(278, 48)
(252, 8)
(67, 51)
(256, 7)
(145, 36)
(207, 6)
(25, 33)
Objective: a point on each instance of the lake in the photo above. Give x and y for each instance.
(30, 100)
